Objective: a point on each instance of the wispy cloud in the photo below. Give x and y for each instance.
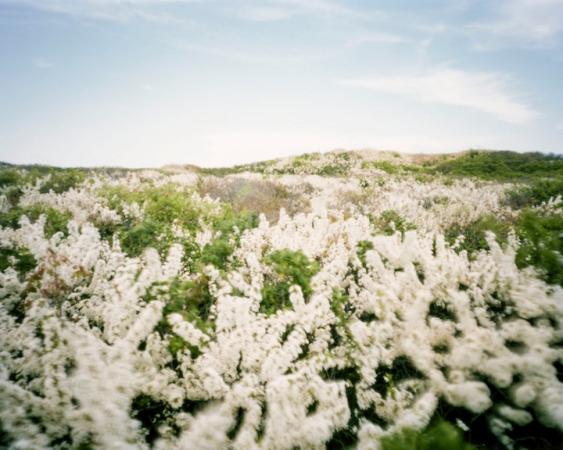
(104, 9)
(268, 10)
(274, 10)
(332, 8)
(272, 56)
(41, 63)
(520, 22)
(388, 38)
(259, 14)
(488, 92)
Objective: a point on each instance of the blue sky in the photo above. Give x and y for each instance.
(143, 83)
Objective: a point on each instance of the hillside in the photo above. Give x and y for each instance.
(352, 299)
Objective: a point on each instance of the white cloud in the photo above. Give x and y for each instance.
(488, 92)
(324, 7)
(381, 38)
(274, 10)
(524, 22)
(104, 9)
(269, 10)
(260, 14)
(264, 55)
(42, 63)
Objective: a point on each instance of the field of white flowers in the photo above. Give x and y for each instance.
(349, 300)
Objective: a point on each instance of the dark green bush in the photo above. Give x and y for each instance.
(55, 220)
(63, 180)
(148, 233)
(389, 222)
(291, 268)
(541, 245)
(501, 165)
(475, 233)
(192, 300)
(10, 177)
(535, 193)
(441, 435)
(25, 260)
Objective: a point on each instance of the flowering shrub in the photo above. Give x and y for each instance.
(137, 312)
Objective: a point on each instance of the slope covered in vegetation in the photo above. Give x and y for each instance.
(342, 300)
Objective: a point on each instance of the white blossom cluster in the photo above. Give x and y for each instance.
(400, 323)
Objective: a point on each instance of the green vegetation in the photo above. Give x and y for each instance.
(164, 207)
(167, 206)
(474, 233)
(19, 259)
(292, 268)
(503, 165)
(62, 181)
(389, 222)
(440, 435)
(55, 220)
(540, 238)
(393, 168)
(541, 245)
(535, 193)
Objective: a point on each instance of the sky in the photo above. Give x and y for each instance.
(144, 83)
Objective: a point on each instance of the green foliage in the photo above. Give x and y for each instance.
(136, 238)
(10, 177)
(389, 222)
(475, 233)
(310, 156)
(217, 253)
(501, 165)
(192, 300)
(541, 245)
(62, 180)
(541, 241)
(392, 168)
(386, 166)
(338, 303)
(165, 206)
(222, 171)
(440, 435)
(364, 246)
(537, 192)
(153, 413)
(56, 221)
(292, 268)
(220, 249)
(333, 170)
(20, 259)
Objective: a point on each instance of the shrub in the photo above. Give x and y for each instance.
(63, 180)
(490, 165)
(537, 192)
(440, 435)
(291, 268)
(56, 221)
(389, 222)
(10, 177)
(541, 245)
(474, 233)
